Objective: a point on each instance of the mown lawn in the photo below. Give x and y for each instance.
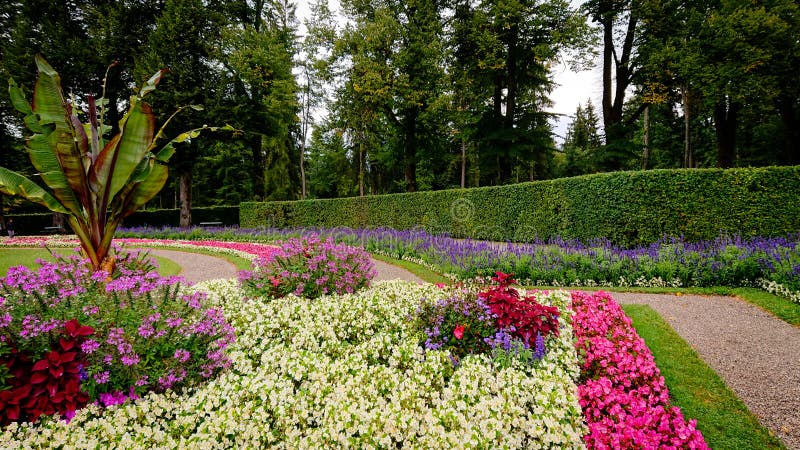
(11, 257)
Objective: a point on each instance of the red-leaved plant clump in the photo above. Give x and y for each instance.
(48, 386)
(524, 314)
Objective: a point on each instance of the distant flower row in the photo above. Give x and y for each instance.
(770, 263)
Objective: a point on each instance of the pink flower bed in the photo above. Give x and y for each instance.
(624, 399)
(261, 251)
(35, 241)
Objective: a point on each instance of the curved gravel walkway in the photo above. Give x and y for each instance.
(199, 267)
(757, 354)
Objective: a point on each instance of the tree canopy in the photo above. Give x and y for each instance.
(386, 96)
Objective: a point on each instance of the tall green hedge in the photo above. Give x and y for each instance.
(629, 208)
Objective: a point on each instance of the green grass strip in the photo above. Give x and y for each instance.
(780, 307)
(16, 256)
(701, 394)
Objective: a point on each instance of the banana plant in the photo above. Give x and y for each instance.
(96, 182)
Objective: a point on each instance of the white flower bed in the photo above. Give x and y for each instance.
(341, 371)
(778, 289)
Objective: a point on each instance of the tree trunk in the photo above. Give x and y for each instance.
(608, 52)
(302, 167)
(614, 94)
(257, 176)
(463, 162)
(791, 133)
(186, 198)
(646, 139)
(410, 155)
(687, 143)
(725, 122)
(306, 122)
(361, 167)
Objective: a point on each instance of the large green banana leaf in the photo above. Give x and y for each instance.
(136, 137)
(12, 183)
(51, 107)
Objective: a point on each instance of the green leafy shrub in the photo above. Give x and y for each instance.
(628, 208)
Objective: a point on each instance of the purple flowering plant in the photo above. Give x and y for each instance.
(459, 324)
(309, 267)
(149, 333)
(464, 324)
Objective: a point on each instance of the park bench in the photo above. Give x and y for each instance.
(210, 224)
(53, 230)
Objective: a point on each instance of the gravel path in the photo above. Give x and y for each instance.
(756, 354)
(198, 267)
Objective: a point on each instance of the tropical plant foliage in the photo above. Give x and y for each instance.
(94, 180)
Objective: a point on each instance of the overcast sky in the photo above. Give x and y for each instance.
(573, 87)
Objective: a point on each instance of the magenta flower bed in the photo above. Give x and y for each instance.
(263, 252)
(623, 395)
(69, 336)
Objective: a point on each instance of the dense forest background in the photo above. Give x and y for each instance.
(387, 96)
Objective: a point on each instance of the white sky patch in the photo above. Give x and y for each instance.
(572, 89)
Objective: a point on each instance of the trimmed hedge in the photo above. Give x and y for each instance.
(228, 215)
(31, 224)
(629, 208)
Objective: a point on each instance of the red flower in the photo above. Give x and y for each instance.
(459, 332)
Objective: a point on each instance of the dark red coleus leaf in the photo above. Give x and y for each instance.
(41, 365)
(75, 329)
(66, 344)
(38, 377)
(56, 371)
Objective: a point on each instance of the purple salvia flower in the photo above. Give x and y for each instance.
(539, 349)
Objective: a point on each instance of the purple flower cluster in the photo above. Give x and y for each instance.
(309, 267)
(144, 327)
(464, 324)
